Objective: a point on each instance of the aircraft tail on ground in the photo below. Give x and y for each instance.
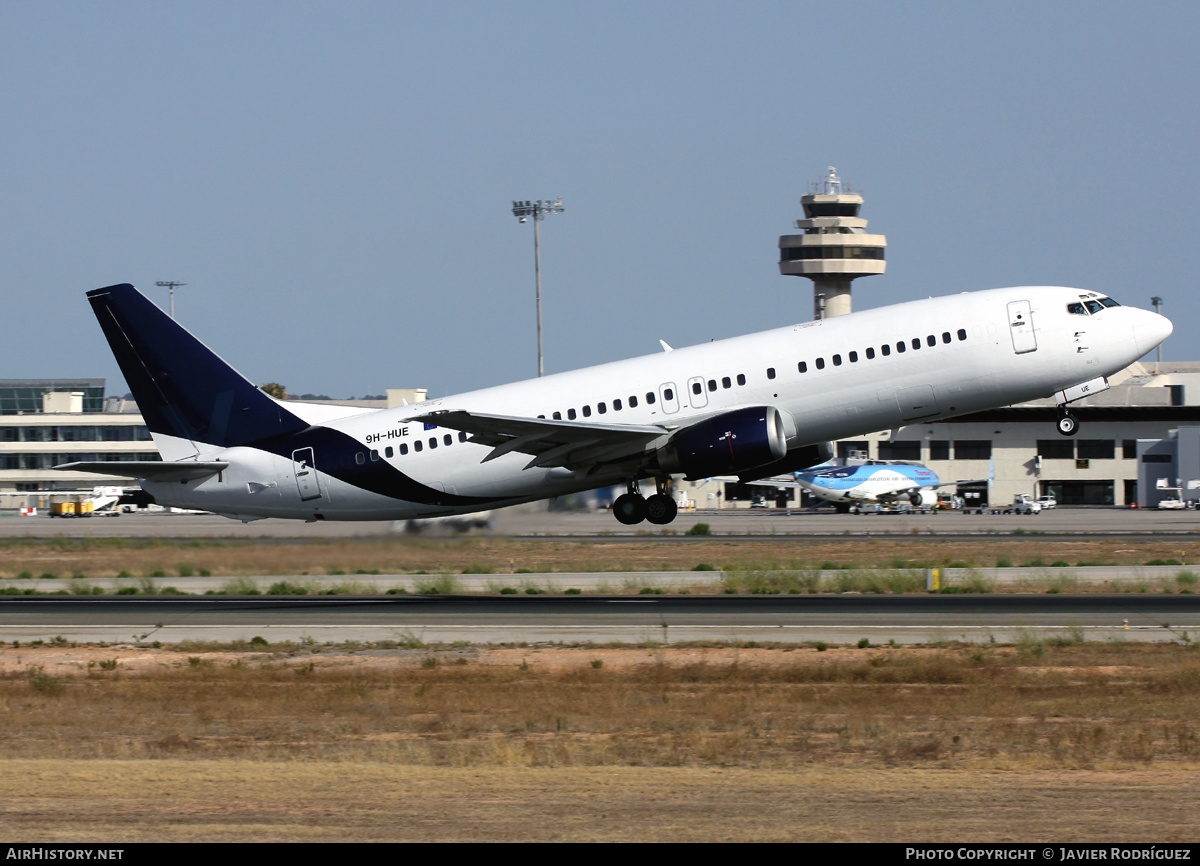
(181, 387)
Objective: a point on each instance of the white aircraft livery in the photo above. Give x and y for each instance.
(754, 406)
(874, 481)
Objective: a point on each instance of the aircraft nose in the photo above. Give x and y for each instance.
(1150, 329)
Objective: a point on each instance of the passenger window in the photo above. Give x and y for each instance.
(696, 389)
(900, 347)
(374, 455)
(802, 367)
(820, 363)
(558, 416)
(726, 382)
(587, 411)
(931, 340)
(601, 408)
(946, 336)
(360, 458)
(854, 357)
(403, 448)
(885, 349)
(962, 334)
(668, 394)
(417, 445)
(432, 442)
(741, 378)
(650, 398)
(916, 341)
(462, 436)
(712, 384)
(837, 360)
(770, 372)
(570, 414)
(617, 405)
(388, 452)
(633, 402)
(447, 439)
(870, 353)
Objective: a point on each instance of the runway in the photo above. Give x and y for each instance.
(414, 620)
(765, 524)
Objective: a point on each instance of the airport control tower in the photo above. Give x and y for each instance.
(835, 247)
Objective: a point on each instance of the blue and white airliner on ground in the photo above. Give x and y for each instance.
(878, 482)
(754, 406)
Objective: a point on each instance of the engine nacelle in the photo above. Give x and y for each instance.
(729, 443)
(795, 460)
(923, 498)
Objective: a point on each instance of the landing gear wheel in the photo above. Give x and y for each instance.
(661, 509)
(1068, 424)
(629, 509)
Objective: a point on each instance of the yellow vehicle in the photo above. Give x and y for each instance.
(74, 508)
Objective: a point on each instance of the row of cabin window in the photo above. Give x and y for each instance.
(668, 394)
(417, 445)
(884, 350)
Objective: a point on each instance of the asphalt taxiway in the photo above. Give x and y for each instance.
(901, 619)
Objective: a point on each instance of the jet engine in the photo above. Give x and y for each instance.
(923, 498)
(734, 442)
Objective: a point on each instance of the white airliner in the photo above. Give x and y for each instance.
(752, 406)
(868, 481)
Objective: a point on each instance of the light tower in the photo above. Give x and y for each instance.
(537, 210)
(170, 285)
(835, 247)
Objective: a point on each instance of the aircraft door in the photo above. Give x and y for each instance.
(696, 393)
(304, 465)
(669, 397)
(1020, 324)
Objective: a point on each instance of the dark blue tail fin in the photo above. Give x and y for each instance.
(182, 388)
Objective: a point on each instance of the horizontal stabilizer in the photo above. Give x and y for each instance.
(156, 470)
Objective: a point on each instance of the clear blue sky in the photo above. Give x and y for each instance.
(333, 179)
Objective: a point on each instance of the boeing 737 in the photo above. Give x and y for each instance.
(868, 481)
(752, 406)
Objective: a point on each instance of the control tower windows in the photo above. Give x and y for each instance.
(830, 251)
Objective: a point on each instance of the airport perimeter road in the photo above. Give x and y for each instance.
(746, 523)
(603, 619)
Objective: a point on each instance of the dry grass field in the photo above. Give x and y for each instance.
(1046, 740)
(110, 557)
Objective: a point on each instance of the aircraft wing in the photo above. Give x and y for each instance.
(576, 445)
(156, 470)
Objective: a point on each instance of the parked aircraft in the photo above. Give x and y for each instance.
(868, 481)
(752, 406)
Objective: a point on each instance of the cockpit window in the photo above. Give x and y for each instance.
(1094, 307)
(1109, 302)
(1076, 309)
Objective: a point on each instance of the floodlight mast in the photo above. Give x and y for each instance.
(171, 284)
(537, 211)
(1156, 302)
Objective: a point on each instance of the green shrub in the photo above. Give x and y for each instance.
(699, 529)
(286, 587)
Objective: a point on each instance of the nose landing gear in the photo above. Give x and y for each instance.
(1068, 424)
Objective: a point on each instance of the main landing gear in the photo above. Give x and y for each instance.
(632, 508)
(1068, 424)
